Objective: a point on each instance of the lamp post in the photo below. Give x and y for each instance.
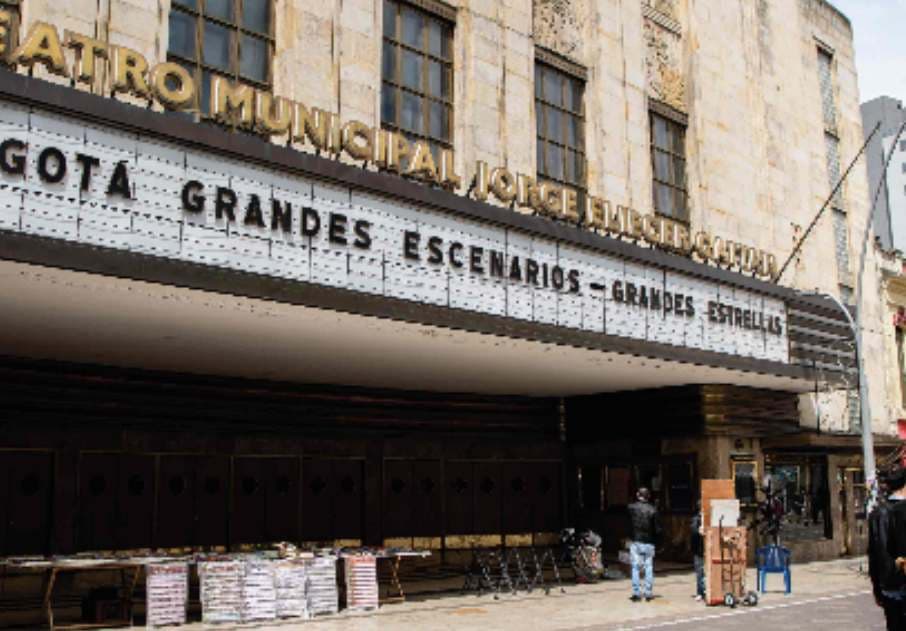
(868, 446)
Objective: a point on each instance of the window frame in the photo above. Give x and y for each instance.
(436, 12)
(546, 61)
(197, 67)
(672, 118)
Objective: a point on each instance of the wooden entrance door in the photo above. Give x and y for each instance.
(852, 500)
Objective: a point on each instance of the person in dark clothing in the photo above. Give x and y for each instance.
(646, 532)
(698, 551)
(887, 551)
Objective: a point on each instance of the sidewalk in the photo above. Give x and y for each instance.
(604, 605)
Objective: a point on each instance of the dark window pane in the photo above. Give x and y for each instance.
(388, 104)
(679, 204)
(659, 133)
(553, 88)
(576, 88)
(216, 46)
(679, 172)
(554, 124)
(554, 162)
(447, 84)
(253, 58)
(437, 39)
(569, 94)
(678, 137)
(411, 69)
(388, 62)
(435, 79)
(205, 95)
(435, 152)
(222, 9)
(570, 166)
(192, 4)
(439, 121)
(539, 120)
(256, 15)
(662, 167)
(390, 19)
(413, 25)
(574, 131)
(411, 117)
(580, 168)
(182, 34)
(663, 199)
(539, 154)
(539, 92)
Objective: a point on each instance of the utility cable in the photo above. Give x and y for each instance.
(827, 202)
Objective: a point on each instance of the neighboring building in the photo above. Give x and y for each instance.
(888, 147)
(890, 212)
(555, 286)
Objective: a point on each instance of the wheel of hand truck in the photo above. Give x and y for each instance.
(751, 599)
(730, 600)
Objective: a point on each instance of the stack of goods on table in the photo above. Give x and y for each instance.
(259, 593)
(291, 583)
(323, 596)
(167, 588)
(361, 581)
(220, 583)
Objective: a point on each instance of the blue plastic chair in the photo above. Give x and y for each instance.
(773, 560)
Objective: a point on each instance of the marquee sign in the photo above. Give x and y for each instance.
(240, 106)
(92, 184)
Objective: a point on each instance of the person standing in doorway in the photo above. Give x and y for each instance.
(646, 531)
(698, 551)
(887, 551)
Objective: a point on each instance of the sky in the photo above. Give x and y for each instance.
(880, 39)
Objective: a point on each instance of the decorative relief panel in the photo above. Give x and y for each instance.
(663, 60)
(557, 25)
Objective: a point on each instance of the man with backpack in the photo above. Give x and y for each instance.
(646, 531)
(887, 550)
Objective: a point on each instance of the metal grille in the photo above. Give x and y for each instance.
(841, 242)
(826, 80)
(832, 154)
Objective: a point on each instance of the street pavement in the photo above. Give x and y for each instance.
(829, 596)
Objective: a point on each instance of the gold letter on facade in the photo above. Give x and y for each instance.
(87, 50)
(129, 68)
(233, 104)
(42, 45)
(175, 97)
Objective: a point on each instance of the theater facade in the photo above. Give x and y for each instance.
(418, 273)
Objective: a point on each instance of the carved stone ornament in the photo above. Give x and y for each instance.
(556, 25)
(663, 62)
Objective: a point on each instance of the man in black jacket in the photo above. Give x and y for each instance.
(887, 551)
(646, 531)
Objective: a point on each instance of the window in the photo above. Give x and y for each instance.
(799, 486)
(903, 145)
(668, 165)
(230, 38)
(841, 241)
(417, 73)
(560, 122)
